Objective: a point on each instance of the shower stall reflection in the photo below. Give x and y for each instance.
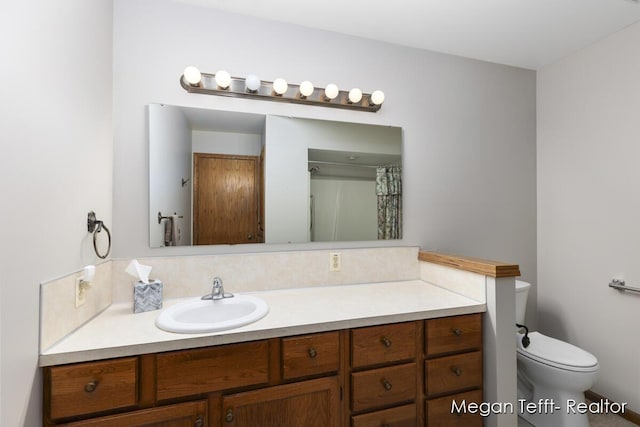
(345, 200)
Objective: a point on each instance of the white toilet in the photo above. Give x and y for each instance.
(552, 375)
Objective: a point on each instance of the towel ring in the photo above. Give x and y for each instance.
(95, 226)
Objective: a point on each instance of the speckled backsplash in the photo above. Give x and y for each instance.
(193, 275)
(187, 276)
(58, 313)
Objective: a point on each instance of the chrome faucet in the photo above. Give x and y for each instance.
(217, 291)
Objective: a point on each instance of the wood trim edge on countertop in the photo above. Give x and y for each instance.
(475, 265)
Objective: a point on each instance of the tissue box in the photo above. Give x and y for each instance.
(147, 296)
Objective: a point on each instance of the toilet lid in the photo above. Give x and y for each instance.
(557, 353)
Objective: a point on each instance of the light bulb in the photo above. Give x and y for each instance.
(355, 95)
(377, 97)
(252, 83)
(306, 88)
(331, 91)
(192, 75)
(280, 86)
(223, 79)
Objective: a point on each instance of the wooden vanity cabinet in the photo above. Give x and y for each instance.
(453, 369)
(395, 375)
(385, 375)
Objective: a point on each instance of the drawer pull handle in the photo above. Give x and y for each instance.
(456, 371)
(386, 384)
(457, 332)
(91, 386)
(229, 416)
(385, 425)
(312, 352)
(199, 421)
(386, 341)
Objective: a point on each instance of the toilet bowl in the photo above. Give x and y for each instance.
(552, 375)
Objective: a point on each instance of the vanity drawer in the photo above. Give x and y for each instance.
(190, 372)
(383, 386)
(440, 412)
(308, 355)
(181, 414)
(453, 334)
(85, 388)
(402, 416)
(453, 373)
(377, 345)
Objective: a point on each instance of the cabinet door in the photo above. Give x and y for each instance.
(313, 403)
(189, 414)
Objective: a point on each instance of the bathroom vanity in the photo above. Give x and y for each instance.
(372, 354)
(398, 374)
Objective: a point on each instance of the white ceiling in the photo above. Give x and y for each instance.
(522, 33)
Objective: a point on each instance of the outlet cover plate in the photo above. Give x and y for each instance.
(335, 261)
(80, 292)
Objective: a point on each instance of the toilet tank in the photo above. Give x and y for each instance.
(522, 292)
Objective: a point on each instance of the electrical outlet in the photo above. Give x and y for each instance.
(335, 261)
(81, 289)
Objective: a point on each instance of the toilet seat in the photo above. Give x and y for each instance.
(556, 353)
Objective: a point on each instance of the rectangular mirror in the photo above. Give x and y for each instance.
(220, 177)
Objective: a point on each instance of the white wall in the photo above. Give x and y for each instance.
(468, 130)
(589, 206)
(56, 165)
(242, 144)
(469, 140)
(170, 159)
(344, 209)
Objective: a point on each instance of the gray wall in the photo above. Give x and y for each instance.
(170, 161)
(56, 165)
(469, 133)
(469, 126)
(589, 206)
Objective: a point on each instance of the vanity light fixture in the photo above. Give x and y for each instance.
(306, 88)
(223, 84)
(331, 91)
(377, 98)
(355, 96)
(223, 79)
(280, 86)
(252, 83)
(192, 76)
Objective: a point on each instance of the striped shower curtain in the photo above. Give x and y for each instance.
(389, 192)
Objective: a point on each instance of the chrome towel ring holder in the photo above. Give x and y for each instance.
(95, 226)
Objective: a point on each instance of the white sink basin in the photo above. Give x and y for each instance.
(202, 316)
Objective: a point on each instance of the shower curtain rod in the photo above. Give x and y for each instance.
(345, 164)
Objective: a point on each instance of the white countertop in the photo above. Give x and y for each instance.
(118, 332)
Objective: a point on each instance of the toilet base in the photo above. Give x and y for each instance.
(544, 407)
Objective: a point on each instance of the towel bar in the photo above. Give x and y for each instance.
(160, 217)
(621, 286)
(95, 226)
